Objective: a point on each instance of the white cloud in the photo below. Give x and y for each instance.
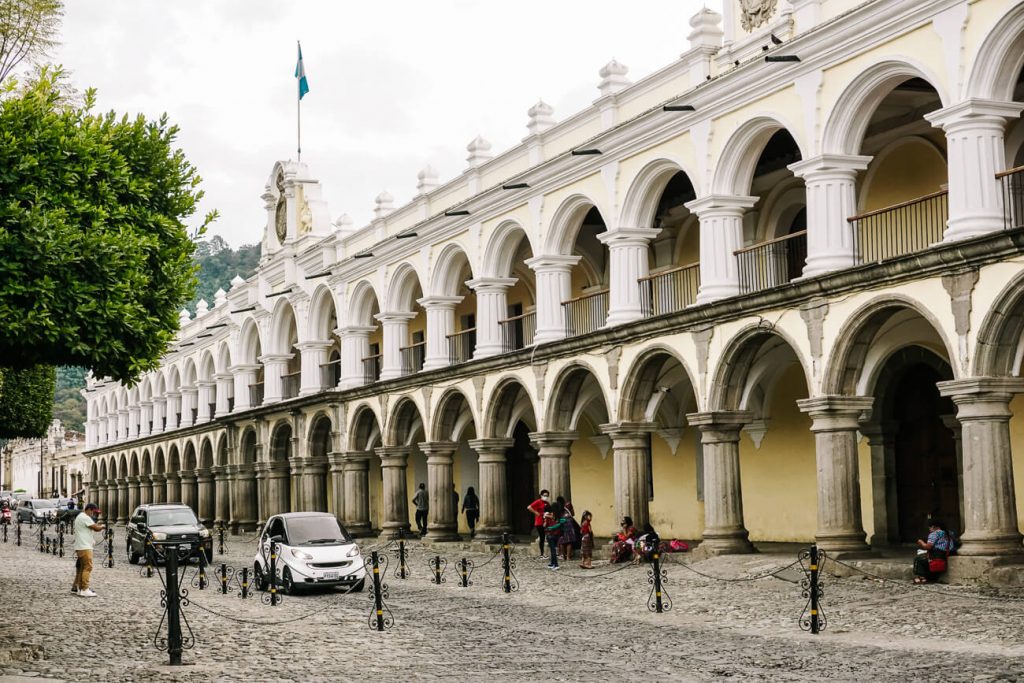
(393, 85)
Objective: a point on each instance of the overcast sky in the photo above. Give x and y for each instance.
(393, 85)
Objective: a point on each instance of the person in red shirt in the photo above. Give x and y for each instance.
(537, 508)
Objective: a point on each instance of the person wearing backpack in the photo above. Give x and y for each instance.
(933, 553)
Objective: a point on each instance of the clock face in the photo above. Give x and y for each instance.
(281, 220)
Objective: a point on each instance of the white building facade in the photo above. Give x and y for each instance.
(793, 253)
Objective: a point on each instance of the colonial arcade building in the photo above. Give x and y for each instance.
(773, 291)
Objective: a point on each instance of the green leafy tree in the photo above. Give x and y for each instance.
(26, 401)
(219, 264)
(28, 30)
(95, 256)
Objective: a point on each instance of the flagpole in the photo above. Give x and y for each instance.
(298, 113)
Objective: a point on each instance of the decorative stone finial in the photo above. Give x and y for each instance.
(220, 297)
(237, 281)
(540, 117)
(385, 204)
(707, 29)
(184, 317)
(613, 78)
(426, 179)
(343, 223)
(479, 152)
(202, 307)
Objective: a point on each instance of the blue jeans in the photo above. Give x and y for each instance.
(553, 544)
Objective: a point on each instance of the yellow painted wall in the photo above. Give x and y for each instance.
(1017, 447)
(675, 510)
(689, 245)
(520, 294)
(909, 171)
(593, 486)
(780, 479)
(417, 324)
(465, 307)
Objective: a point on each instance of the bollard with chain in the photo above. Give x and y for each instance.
(437, 566)
(812, 618)
(220, 539)
(244, 593)
(202, 569)
(5, 532)
(273, 574)
(110, 547)
(18, 535)
(60, 540)
(381, 617)
(149, 554)
(174, 642)
(658, 601)
(506, 565)
(42, 538)
(465, 569)
(402, 571)
(223, 579)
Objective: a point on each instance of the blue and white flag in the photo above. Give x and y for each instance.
(300, 73)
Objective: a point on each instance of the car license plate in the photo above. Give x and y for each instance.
(330, 576)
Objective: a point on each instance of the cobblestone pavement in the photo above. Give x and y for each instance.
(569, 625)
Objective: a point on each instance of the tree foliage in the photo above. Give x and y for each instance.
(219, 264)
(68, 403)
(95, 259)
(28, 30)
(26, 401)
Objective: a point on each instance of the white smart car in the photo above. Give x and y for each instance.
(313, 550)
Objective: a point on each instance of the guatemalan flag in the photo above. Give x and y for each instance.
(300, 73)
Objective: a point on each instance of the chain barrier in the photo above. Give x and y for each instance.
(381, 617)
(242, 584)
(812, 618)
(221, 546)
(465, 571)
(741, 579)
(438, 565)
(509, 582)
(912, 588)
(402, 570)
(659, 600)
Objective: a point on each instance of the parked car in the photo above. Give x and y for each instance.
(35, 509)
(314, 550)
(169, 523)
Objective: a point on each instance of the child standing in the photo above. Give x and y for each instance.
(586, 541)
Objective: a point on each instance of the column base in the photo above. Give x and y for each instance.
(623, 316)
(441, 534)
(844, 545)
(994, 545)
(392, 531)
(360, 530)
(491, 534)
(721, 544)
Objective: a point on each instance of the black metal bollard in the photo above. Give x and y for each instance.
(223, 579)
(659, 606)
(436, 566)
(220, 539)
(42, 538)
(173, 607)
(202, 569)
(812, 618)
(464, 573)
(506, 566)
(815, 621)
(18, 539)
(149, 555)
(245, 583)
(378, 605)
(110, 548)
(60, 540)
(5, 532)
(273, 574)
(402, 571)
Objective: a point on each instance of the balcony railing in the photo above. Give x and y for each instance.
(900, 229)
(670, 290)
(371, 368)
(290, 384)
(213, 409)
(231, 404)
(330, 374)
(518, 331)
(585, 314)
(772, 263)
(195, 415)
(412, 357)
(1013, 196)
(256, 394)
(461, 346)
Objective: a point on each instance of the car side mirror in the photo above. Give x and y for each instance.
(276, 539)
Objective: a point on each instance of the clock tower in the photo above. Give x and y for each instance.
(294, 207)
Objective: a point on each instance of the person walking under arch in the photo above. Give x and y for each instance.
(422, 502)
(471, 507)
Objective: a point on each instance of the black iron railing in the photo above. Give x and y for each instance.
(772, 263)
(900, 229)
(670, 290)
(461, 346)
(213, 408)
(231, 404)
(195, 415)
(290, 384)
(412, 357)
(585, 314)
(518, 331)
(1012, 182)
(330, 374)
(371, 368)
(256, 394)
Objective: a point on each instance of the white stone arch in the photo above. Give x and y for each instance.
(250, 343)
(188, 373)
(283, 321)
(891, 149)
(734, 172)
(361, 304)
(565, 224)
(510, 400)
(645, 190)
(452, 413)
(501, 248)
(364, 427)
(405, 420)
(445, 277)
(401, 294)
(848, 118)
(205, 368)
(742, 362)
(643, 376)
(222, 357)
(172, 378)
(999, 59)
(145, 386)
(571, 397)
(322, 305)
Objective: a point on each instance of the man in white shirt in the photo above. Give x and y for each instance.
(85, 526)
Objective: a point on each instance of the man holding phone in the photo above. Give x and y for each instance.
(85, 526)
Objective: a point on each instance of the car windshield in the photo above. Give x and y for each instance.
(315, 531)
(182, 517)
(42, 504)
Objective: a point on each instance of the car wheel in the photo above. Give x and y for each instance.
(287, 585)
(209, 556)
(133, 557)
(359, 587)
(259, 581)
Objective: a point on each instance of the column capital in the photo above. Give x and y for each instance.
(491, 284)
(836, 413)
(392, 456)
(828, 165)
(974, 111)
(719, 419)
(393, 317)
(244, 368)
(979, 398)
(441, 303)
(553, 439)
(491, 450)
(627, 236)
(356, 330)
(624, 434)
(438, 449)
(157, 478)
(275, 358)
(200, 383)
(554, 263)
(314, 345)
(729, 205)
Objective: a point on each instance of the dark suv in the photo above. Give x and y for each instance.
(169, 523)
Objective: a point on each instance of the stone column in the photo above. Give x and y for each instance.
(355, 346)
(122, 424)
(314, 484)
(133, 496)
(336, 468)
(122, 501)
(134, 421)
(145, 489)
(274, 366)
(393, 460)
(356, 474)
(173, 480)
(278, 489)
(158, 494)
(884, 492)
(953, 425)
(396, 335)
(173, 408)
(260, 474)
(724, 531)
(205, 398)
(990, 505)
(243, 376)
(553, 285)
(189, 396)
(976, 151)
(244, 499)
(222, 502)
(628, 262)
(442, 517)
(145, 418)
(440, 312)
(631, 455)
(190, 490)
(225, 389)
(721, 234)
(554, 449)
(492, 459)
(491, 308)
(831, 182)
(835, 423)
(100, 496)
(313, 354)
(205, 492)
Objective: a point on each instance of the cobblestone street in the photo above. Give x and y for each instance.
(571, 625)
